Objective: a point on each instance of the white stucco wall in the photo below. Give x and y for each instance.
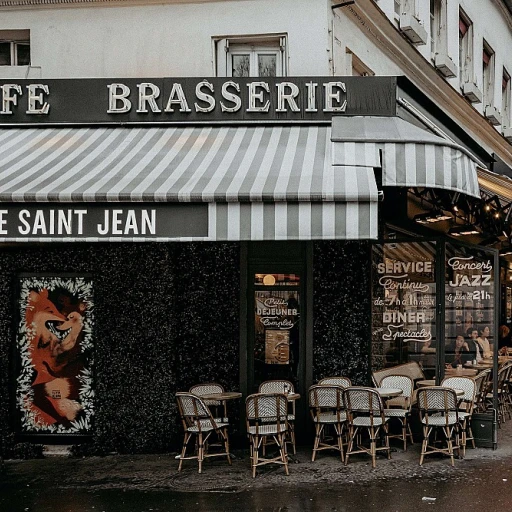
(170, 39)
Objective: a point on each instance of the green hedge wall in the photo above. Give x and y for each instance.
(341, 310)
(166, 317)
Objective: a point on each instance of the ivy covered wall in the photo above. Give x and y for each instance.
(341, 310)
(166, 317)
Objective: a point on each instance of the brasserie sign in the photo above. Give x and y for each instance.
(193, 100)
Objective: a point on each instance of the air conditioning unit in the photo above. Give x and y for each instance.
(412, 29)
(493, 115)
(471, 92)
(507, 133)
(445, 65)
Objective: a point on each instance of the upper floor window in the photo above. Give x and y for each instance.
(438, 36)
(14, 47)
(259, 56)
(356, 67)
(488, 74)
(465, 49)
(505, 98)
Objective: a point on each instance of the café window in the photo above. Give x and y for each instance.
(259, 56)
(404, 305)
(14, 47)
(277, 309)
(505, 98)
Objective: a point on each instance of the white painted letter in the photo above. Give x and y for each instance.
(21, 216)
(7, 99)
(118, 92)
(34, 98)
(3, 222)
(203, 96)
(289, 98)
(330, 95)
(180, 99)
(148, 223)
(231, 97)
(145, 97)
(257, 96)
(80, 214)
(311, 86)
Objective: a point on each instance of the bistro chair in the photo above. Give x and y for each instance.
(344, 382)
(327, 409)
(482, 386)
(466, 406)
(218, 407)
(198, 420)
(267, 416)
(400, 407)
(502, 392)
(439, 410)
(284, 387)
(365, 412)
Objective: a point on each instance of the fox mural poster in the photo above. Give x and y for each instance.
(54, 344)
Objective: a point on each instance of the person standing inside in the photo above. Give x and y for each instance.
(472, 333)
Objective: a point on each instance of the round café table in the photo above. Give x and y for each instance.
(226, 395)
(389, 392)
(425, 383)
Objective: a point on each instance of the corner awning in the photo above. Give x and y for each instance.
(259, 182)
(409, 156)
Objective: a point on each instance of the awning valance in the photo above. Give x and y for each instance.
(260, 182)
(409, 156)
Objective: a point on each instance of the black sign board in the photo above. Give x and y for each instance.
(193, 100)
(96, 220)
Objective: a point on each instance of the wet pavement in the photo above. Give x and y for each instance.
(143, 483)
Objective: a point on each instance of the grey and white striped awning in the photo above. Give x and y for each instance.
(409, 156)
(492, 184)
(260, 182)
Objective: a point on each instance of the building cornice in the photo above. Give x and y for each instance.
(45, 4)
(375, 24)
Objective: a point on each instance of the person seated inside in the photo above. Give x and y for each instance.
(483, 341)
(459, 353)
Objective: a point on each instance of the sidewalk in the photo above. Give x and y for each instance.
(159, 472)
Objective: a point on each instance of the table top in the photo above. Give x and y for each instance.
(462, 372)
(480, 365)
(389, 392)
(227, 395)
(425, 383)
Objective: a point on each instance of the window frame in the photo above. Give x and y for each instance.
(465, 49)
(488, 74)
(505, 98)
(16, 39)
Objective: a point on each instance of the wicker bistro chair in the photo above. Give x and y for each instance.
(267, 416)
(502, 391)
(198, 420)
(283, 387)
(466, 406)
(365, 411)
(438, 409)
(400, 407)
(327, 409)
(344, 382)
(482, 386)
(218, 407)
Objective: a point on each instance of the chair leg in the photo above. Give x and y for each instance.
(200, 453)
(373, 446)
(318, 433)
(255, 450)
(424, 445)
(339, 433)
(184, 449)
(446, 431)
(224, 433)
(282, 449)
(352, 434)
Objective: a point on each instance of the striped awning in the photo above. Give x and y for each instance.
(409, 156)
(260, 182)
(492, 184)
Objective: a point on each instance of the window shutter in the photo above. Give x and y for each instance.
(222, 57)
(486, 57)
(282, 47)
(463, 27)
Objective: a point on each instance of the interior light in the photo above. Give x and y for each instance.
(269, 280)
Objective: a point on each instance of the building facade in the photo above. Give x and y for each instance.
(240, 190)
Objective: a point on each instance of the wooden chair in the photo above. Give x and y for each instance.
(267, 416)
(482, 388)
(284, 387)
(198, 420)
(218, 407)
(365, 411)
(327, 410)
(439, 411)
(400, 407)
(344, 382)
(466, 405)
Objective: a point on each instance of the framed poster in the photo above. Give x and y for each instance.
(54, 345)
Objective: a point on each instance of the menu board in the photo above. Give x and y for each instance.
(404, 304)
(277, 347)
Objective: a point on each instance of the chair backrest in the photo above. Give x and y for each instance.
(276, 386)
(467, 384)
(403, 382)
(437, 399)
(361, 401)
(344, 382)
(324, 396)
(503, 375)
(411, 369)
(192, 410)
(206, 389)
(263, 409)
